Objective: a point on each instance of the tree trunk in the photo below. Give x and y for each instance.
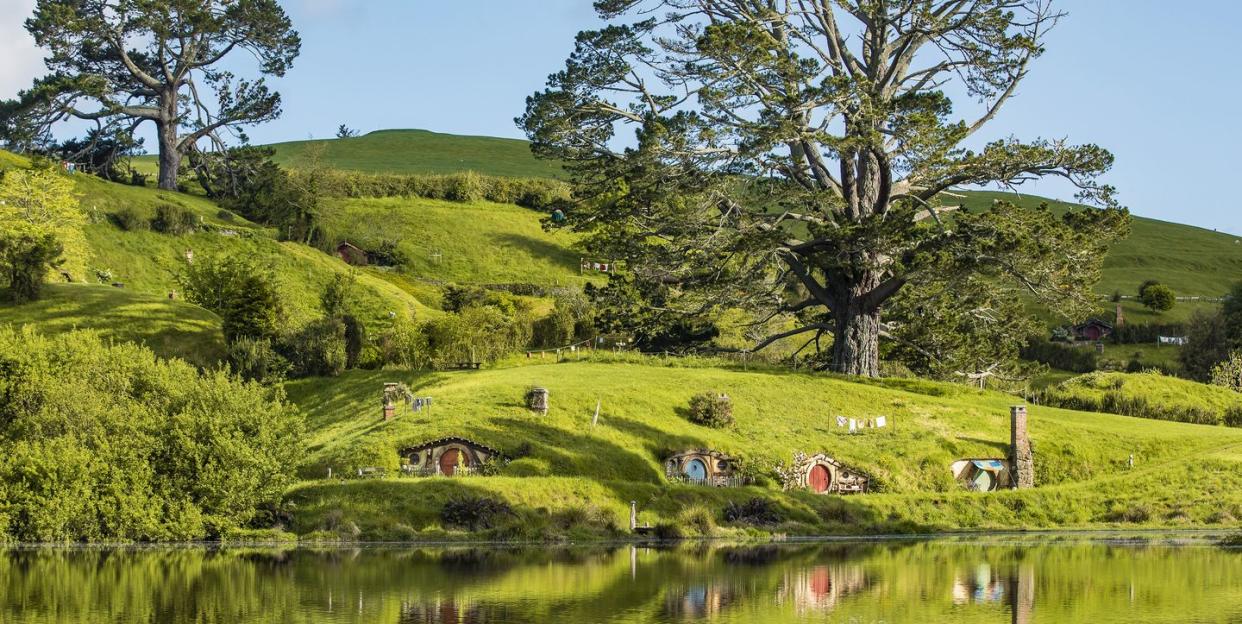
(170, 156)
(856, 341)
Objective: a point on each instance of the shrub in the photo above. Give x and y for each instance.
(1233, 417)
(756, 511)
(108, 442)
(225, 215)
(128, 220)
(317, 350)
(711, 410)
(242, 292)
(667, 532)
(699, 520)
(256, 359)
(174, 220)
(26, 260)
(474, 512)
(1157, 297)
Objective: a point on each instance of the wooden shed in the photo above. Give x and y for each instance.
(822, 474)
(702, 466)
(1092, 330)
(446, 456)
(351, 255)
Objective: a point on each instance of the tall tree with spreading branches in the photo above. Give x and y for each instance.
(793, 158)
(120, 63)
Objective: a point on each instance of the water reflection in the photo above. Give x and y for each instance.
(868, 582)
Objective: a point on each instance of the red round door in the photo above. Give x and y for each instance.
(448, 461)
(820, 478)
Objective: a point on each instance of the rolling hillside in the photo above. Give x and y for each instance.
(414, 151)
(145, 263)
(1193, 261)
(561, 461)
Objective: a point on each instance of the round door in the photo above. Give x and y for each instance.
(449, 459)
(696, 470)
(984, 482)
(820, 478)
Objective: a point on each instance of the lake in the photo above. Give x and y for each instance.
(1012, 579)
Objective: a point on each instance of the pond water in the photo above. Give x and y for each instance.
(966, 580)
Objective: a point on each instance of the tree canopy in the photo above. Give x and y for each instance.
(120, 63)
(40, 228)
(797, 159)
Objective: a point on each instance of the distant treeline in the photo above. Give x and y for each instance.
(467, 186)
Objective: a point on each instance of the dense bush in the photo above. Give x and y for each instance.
(1073, 359)
(175, 220)
(256, 359)
(241, 291)
(128, 220)
(711, 410)
(317, 349)
(26, 260)
(1157, 297)
(1131, 333)
(474, 512)
(106, 442)
(756, 511)
(535, 193)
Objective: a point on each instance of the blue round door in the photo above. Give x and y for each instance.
(696, 470)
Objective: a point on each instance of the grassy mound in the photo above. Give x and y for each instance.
(1148, 395)
(561, 462)
(169, 328)
(479, 242)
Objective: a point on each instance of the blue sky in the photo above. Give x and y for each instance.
(1156, 82)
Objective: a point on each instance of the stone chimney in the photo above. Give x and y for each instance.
(390, 411)
(1021, 460)
(1121, 317)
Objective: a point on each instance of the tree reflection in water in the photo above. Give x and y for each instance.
(868, 582)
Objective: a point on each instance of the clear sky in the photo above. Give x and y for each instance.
(1156, 82)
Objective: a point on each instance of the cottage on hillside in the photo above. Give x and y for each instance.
(351, 255)
(1092, 330)
(702, 467)
(446, 456)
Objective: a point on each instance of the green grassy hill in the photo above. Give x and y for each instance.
(1192, 261)
(414, 151)
(1081, 457)
(479, 242)
(171, 328)
(146, 263)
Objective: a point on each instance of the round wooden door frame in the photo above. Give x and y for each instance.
(810, 480)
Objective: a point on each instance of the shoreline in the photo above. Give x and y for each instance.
(1106, 536)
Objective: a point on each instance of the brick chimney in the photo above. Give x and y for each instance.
(1121, 317)
(390, 411)
(1021, 460)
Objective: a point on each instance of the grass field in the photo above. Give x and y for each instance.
(1153, 394)
(478, 242)
(1081, 457)
(169, 328)
(413, 151)
(1190, 260)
